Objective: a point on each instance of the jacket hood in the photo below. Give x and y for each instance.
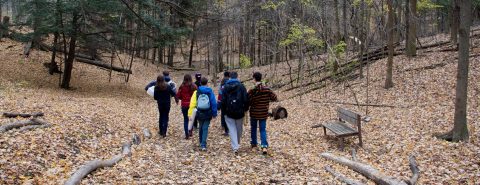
(232, 81)
(205, 89)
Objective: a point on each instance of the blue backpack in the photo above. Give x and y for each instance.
(204, 112)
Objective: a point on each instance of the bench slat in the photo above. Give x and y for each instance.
(339, 128)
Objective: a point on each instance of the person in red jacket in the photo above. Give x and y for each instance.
(185, 93)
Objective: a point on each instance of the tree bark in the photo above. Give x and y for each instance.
(411, 12)
(20, 124)
(391, 33)
(14, 115)
(86, 169)
(192, 41)
(366, 170)
(460, 128)
(454, 22)
(71, 53)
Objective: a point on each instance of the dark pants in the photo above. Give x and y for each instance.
(203, 132)
(195, 122)
(185, 120)
(223, 122)
(164, 110)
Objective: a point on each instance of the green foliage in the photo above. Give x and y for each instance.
(424, 5)
(356, 3)
(245, 62)
(270, 5)
(339, 48)
(302, 33)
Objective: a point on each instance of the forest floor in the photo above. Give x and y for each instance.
(93, 119)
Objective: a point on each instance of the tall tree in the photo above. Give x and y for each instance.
(454, 21)
(460, 128)
(411, 17)
(391, 34)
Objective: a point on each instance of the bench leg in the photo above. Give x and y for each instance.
(324, 131)
(360, 140)
(341, 142)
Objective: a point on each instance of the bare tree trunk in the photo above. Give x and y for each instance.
(192, 41)
(454, 22)
(71, 53)
(460, 128)
(391, 33)
(411, 12)
(337, 21)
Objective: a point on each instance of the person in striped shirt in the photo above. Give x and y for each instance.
(259, 100)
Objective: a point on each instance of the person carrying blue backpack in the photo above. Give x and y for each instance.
(203, 100)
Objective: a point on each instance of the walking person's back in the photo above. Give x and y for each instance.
(234, 104)
(163, 93)
(185, 92)
(259, 100)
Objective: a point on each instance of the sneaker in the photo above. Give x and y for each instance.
(264, 151)
(254, 145)
(203, 149)
(235, 152)
(225, 134)
(190, 133)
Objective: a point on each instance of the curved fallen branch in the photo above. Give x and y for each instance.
(342, 177)
(14, 115)
(22, 123)
(415, 170)
(86, 169)
(31, 127)
(366, 170)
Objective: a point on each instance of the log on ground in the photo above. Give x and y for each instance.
(91, 166)
(364, 169)
(103, 65)
(23, 115)
(22, 123)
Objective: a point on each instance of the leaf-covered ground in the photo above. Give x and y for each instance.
(96, 117)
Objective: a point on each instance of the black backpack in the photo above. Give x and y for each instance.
(235, 102)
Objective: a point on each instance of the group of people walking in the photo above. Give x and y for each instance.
(199, 106)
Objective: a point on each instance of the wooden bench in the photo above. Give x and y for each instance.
(348, 124)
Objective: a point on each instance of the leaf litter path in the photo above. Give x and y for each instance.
(93, 120)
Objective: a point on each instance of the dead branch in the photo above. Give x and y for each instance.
(31, 127)
(23, 115)
(146, 133)
(136, 139)
(354, 154)
(22, 123)
(415, 170)
(366, 170)
(342, 177)
(357, 104)
(86, 169)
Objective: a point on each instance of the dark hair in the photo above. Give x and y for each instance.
(187, 81)
(257, 76)
(226, 74)
(233, 74)
(198, 76)
(166, 73)
(204, 81)
(161, 85)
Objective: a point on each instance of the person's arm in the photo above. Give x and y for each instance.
(213, 103)
(172, 93)
(245, 97)
(193, 103)
(152, 83)
(273, 96)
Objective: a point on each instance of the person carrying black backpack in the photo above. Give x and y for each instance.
(234, 105)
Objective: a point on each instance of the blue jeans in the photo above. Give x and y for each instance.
(263, 131)
(203, 134)
(163, 120)
(185, 120)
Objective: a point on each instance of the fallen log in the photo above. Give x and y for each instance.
(22, 123)
(356, 104)
(366, 170)
(415, 170)
(86, 169)
(101, 64)
(23, 115)
(342, 177)
(31, 127)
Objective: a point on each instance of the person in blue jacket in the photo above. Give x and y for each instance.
(163, 93)
(206, 110)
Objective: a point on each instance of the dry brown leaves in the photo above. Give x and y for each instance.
(93, 120)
